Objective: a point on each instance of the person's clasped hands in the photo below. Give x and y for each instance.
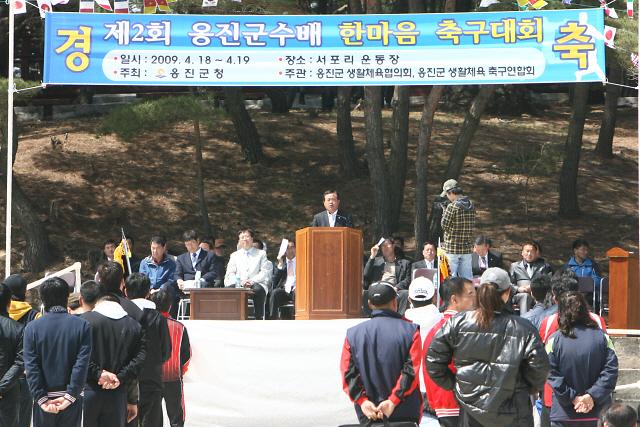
(373, 412)
(53, 406)
(583, 404)
(108, 380)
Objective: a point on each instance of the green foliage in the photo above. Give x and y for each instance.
(130, 120)
(533, 159)
(20, 84)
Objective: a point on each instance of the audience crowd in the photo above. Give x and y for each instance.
(453, 334)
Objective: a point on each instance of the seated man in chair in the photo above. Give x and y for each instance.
(249, 268)
(389, 268)
(284, 280)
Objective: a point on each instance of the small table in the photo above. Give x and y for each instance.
(219, 303)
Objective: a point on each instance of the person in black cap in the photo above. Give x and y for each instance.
(11, 362)
(22, 312)
(381, 360)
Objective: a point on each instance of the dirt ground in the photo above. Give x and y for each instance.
(94, 185)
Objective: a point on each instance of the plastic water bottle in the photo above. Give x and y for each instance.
(238, 285)
(197, 283)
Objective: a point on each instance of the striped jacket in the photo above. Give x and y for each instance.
(177, 365)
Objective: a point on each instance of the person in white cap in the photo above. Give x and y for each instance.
(423, 311)
(458, 223)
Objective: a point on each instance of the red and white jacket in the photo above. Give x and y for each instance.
(442, 401)
(177, 365)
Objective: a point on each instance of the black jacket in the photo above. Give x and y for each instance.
(158, 344)
(343, 219)
(11, 363)
(118, 346)
(208, 263)
(374, 269)
(494, 258)
(496, 369)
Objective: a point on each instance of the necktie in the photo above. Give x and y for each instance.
(194, 258)
(529, 270)
(290, 271)
(482, 263)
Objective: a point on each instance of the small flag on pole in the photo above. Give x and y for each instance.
(609, 35)
(610, 12)
(44, 6)
(86, 6)
(55, 2)
(150, 6)
(634, 60)
(121, 6)
(19, 7)
(487, 3)
(209, 3)
(534, 4)
(630, 8)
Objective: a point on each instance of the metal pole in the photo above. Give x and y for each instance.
(10, 89)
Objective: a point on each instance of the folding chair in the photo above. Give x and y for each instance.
(587, 285)
(183, 304)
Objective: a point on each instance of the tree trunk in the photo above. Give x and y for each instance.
(202, 201)
(398, 157)
(469, 127)
(278, 97)
(604, 147)
(345, 132)
(424, 139)
(37, 253)
(376, 160)
(569, 173)
(245, 128)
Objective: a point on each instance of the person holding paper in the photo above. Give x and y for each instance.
(390, 269)
(284, 278)
(332, 216)
(249, 268)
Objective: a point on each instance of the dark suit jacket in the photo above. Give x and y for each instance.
(495, 260)
(374, 268)
(343, 219)
(208, 263)
(423, 264)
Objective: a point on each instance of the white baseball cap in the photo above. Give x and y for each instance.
(421, 289)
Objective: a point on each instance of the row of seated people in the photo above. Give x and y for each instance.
(273, 283)
(387, 262)
(247, 267)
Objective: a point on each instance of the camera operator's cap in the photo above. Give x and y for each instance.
(448, 185)
(421, 289)
(381, 293)
(498, 276)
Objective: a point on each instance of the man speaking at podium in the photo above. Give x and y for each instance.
(332, 216)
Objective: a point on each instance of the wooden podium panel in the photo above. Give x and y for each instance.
(624, 289)
(328, 273)
(219, 303)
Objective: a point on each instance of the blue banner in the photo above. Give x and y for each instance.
(555, 46)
